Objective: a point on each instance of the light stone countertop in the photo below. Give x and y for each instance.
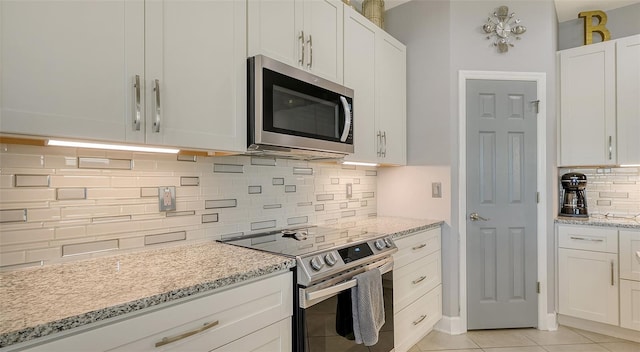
(601, 221)
(37, 302)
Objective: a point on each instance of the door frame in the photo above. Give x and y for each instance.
(545, 322)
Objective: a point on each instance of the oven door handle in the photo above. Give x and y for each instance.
(311, 296)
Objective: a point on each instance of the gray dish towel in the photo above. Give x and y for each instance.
(367, 307)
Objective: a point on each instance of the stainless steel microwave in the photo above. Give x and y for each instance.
(293, 113)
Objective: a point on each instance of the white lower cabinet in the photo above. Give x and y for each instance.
(630, 304)
(630, 279)
(252, 317)
(417, 287)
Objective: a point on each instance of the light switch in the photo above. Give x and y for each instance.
(167, 198)
(436, 190)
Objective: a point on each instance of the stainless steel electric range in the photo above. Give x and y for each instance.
(327, 259)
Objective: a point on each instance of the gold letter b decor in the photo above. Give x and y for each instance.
(589, 28)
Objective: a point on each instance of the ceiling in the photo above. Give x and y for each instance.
(566, 9)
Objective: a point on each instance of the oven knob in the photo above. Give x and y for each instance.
(330, 259)
(379, 244)
(317, 263)
(388, 242)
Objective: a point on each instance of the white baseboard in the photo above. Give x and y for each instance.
(552, 322)
(450, 325)
(600, 328)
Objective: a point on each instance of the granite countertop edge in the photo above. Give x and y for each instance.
(621, 223)
(68, 323)
(428, 226)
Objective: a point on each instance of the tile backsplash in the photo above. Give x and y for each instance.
(59, 204)
(612, 191)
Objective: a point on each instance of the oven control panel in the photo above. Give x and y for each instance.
(320, 265)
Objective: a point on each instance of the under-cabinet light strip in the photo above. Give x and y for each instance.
(357, 163)
(131, 148)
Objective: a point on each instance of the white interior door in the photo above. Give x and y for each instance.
(501, 204)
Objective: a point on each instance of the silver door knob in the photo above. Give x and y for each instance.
(476, 217)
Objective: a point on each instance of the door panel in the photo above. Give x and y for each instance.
(501, 188)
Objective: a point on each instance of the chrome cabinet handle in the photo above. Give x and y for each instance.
(418, 280)
(136, 96)
(475, 217)
(416, 322)
(379, 144)
(612, 282)
(610, 147)
(347, 118)
(384, 151)
(156, 122)
(310, 42)
(301, 39)
(420, 246)
(586, 239)
(168, 340)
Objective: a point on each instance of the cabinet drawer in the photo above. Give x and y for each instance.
(630, 304)
(415, 279)
(588, 238)
(273, 338)
(630, 255)
(411, 248)
(238, 311)
(417, 319)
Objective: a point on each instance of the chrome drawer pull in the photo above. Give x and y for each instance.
(587, 239)
(419, 320)
(420, 246)
(418, 280)
(168, 340)
(136, 93)
(612, 282)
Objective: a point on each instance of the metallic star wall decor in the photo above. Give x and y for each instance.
(503, 25)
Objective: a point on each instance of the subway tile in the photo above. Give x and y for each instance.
(277, 181)
(21, 161)
(112, 193)
(149, 192)
(11, 259)
(180, 213)
(44, 254)
(74, 181)
(302, 171)
(272, 206)
(614, 195)
(70, 232)
(367, 195)
(344, 205)
(335, 181)
(100, 220)
(228, 168)
(298, 220)
(263, 161)
(189, 181)
(104, 163)
(324, 197)
(356, 181)
(31, 181)
(89, 247)
(46, 214)
(27, 194)
(261, 225)
(289, 188)
(255, 189)
(363, 203)
(165, 237)
(603, 202)
(371, 172)
(348, 213)
(26, 236)
(220, 203)
(71, 193)
(319, 207)
(231, 235)
(305, 204)
(207, 218)
(190, 158)
(13, 215)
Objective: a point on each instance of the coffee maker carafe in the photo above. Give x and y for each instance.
(574, 200)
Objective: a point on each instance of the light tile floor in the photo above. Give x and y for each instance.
(524, 340)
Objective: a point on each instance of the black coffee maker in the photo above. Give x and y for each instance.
(574, 199)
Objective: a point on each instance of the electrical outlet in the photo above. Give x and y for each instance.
(167, 198)
(436, 190)
(349, 191)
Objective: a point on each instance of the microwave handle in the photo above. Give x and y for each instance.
(347, 119)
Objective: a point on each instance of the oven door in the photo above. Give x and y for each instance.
(324, 314)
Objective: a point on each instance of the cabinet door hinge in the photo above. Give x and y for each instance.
(538, 287)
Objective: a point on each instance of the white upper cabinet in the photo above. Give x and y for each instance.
(391, 78)
(588, 105)
(68, 67)
(628, 93)
(77, 75)
(307, 34)
(196, 52)
(359, 75)
(375, 68)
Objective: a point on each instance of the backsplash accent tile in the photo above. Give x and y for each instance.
(371, 173)
(228, 168)
(32, 180)
(612, 191)
(13, 215)
(89, 247)
(74, 193)
(220, 203)
(104, 163)
(191, 158)
(165, 237)
(255, 189)
(101, 202)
